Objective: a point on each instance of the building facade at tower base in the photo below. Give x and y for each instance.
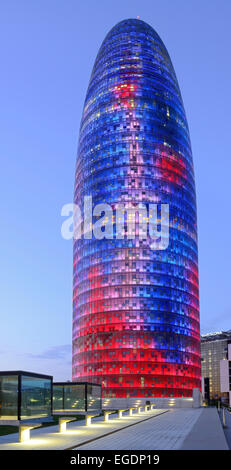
(160, 402)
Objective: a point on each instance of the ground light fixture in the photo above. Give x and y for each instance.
(63, 423)
(24, 430)
(130, 411)
(139, 409)
(106, 415)
(88, 418)
(120, 413)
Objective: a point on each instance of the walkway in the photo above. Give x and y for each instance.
(227, 429)
(157, 430)
(177, 429)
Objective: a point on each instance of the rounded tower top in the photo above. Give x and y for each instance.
(133, 33)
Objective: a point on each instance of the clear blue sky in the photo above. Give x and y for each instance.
(48, 48)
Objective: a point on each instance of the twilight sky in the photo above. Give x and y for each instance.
(48, 48)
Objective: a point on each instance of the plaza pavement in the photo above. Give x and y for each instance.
(227, 429)
(159, 429)
(186, 429)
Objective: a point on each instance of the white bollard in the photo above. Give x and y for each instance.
(106, 416)
(223, 418)
(120, 414)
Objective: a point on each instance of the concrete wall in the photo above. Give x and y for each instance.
(181, 402)
(197, 398)
(117, 403)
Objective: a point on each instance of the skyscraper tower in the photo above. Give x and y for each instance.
(136, 309)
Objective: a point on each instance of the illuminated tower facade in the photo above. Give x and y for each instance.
(135, 309)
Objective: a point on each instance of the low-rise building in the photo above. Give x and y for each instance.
(214, 349)
(225, 374)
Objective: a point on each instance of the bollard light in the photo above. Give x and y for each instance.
(88, 418)
(63, 423)
(130, 411)
(24, 431)
(120, 412)
(106, 415)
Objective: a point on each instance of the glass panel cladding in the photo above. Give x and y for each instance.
(74, 397)
(93, 397)
(68, 397)
(58, 397)
(9, 397)
(35, 397)
(136, 309)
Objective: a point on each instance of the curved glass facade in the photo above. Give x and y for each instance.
(135, 309)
